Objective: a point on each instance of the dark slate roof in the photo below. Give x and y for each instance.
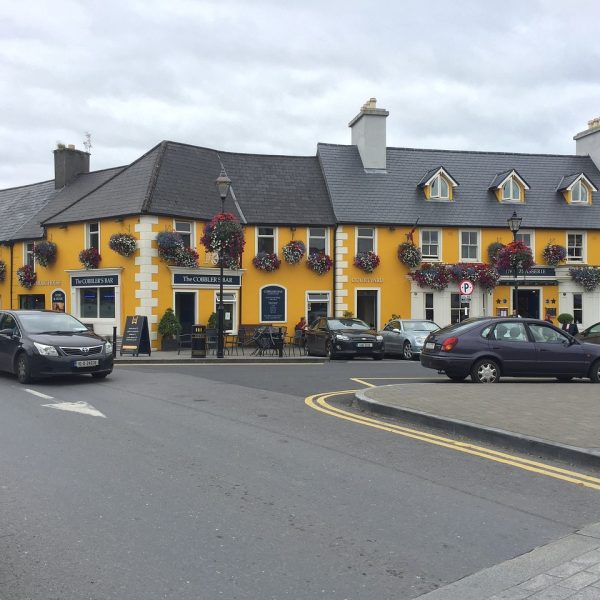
(393, 197)
(566, 181)
(423, 181)
(500, 177)
(178, 180)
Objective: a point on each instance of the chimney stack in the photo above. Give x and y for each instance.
(368, 134)
(588, 142)
(68, 163)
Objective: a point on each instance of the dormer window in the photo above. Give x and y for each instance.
(580, 193)
(576, 189)
(511, 191)
(509, 186)
(438, 184)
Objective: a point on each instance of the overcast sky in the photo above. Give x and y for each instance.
(276, 76)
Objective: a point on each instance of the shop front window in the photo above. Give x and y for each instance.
(459, 311)
(97, 303)
(578, 308)
(229, 314)
(429, 307)
(317, 304)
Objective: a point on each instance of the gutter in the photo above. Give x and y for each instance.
(11, 273)
(335, 284)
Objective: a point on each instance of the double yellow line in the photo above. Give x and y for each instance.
(319, 402)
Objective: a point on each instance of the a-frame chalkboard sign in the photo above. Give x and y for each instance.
(136, 339)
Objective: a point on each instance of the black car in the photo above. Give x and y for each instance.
(343, 337)
(488, 347)
(38, 343)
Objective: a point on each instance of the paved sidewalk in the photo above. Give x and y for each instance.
(159, 356)
(559, 420)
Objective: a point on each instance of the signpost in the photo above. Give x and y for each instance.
(466, 287)
(136, 338)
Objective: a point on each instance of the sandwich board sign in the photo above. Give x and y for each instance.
(136, 339)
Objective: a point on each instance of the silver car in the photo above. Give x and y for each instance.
(406, 337)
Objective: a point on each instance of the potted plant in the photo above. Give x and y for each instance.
(123, 243)
(266, 261)
(554, 254)
(319, 262)
(45, 252)
(293, 252)
(409, 255)
(2, 270)
(564, 318)
(212, 321)
(90, 258)
(367, 261)
(26, 276)
(168, 328)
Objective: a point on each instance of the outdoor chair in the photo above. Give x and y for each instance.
(211, 340)
(184, 340)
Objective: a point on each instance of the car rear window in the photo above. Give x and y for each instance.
(462, 326)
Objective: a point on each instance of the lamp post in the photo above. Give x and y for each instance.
(223, 184)
(514, 224)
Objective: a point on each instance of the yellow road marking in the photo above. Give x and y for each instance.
(319, 402)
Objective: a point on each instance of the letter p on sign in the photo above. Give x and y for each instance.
(466, 287)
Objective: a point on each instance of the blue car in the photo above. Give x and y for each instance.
(487, 348)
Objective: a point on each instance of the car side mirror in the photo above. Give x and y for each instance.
(396, 330)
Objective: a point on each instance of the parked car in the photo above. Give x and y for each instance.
(405, 337)
(343, 337)
(590, 335)
(487, 348)
(37, 343)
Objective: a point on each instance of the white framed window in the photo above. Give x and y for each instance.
(578, 308)
(580, 193)
(186, 230)
(528, 238)
(317, 305)
(469, 245)
(265, 240)
(317, 240)
(575, 247)
(365, 239)
(28, 255)
(92, 235)
(429, 312)
(511, 191)
(440, 189)
(230, 317)
(431, 244)
(97, 303)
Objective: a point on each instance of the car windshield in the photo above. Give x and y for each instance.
(51, 323)
(347, 324)
(420, 326)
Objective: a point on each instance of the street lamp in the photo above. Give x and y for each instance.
(514, 224)
(223, 184)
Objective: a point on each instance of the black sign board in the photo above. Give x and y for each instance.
(272, 304)
(207, 280)
(532, 272)
(58, 301)
(136, 339)
(94, 280)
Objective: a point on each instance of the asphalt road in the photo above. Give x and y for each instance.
(204, 482)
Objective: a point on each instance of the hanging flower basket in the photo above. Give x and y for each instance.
(170, 245)
(293, 252)
(516, 255)
(26, 276)
(187, 257)
(266, 261)
(493, 250)
(587, 277)
(45, 252)
(409, 255)
(484, 275)
(367, 261)
(224, 236)
(554, 254)
(90, 258)
(319, 262)
(431, 276)
(2, 270)
(123, 243)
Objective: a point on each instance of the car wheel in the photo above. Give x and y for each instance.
(23, 368)
(564, 379)
(595, 372)
(329, 351)
(99, 375)
(456, 377)
(485, 370)
(407, 352)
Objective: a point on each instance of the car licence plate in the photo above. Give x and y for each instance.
(429, 345)
(87, 363)
(363, 345)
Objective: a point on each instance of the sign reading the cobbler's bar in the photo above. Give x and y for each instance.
(272, 304)
(136, 338)
(95, 280)
(208, 280)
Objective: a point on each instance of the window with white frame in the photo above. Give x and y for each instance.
(578, 308)
(365, 239)
(439, 188)
(317, 305)
(230, 312)
(429, 314)
(579, 193)
(317, 239)
(92, 235)
(575, 247)
(28, 255)
(184, 229)
(527, 238)
(469, 246)
(511, 191)
(97, 303)
(430, 244)
(265, 240)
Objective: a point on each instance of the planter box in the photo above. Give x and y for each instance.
(168, 344)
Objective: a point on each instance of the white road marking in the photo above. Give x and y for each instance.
(39, 394)
(81, 407)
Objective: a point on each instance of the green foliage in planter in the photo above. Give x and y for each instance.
(212, 321)
(169, 325)
(564, 318)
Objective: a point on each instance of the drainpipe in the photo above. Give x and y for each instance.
(335, 232)
(11, 273)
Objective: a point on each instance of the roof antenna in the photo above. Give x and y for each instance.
(87, 143)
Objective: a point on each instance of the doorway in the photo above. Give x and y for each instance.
(185, 310)
(366, 306)
(527, 303)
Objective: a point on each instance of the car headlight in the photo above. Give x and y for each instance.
(45, 350)
(108, 348)
(419, 340)
(341, 338)
(379, 338)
